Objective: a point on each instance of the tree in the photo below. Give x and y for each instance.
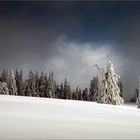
(137, 98)
(36, 77)
(85, 95)
(121, 89)
(4, 76)
(109, 92)
(62, 91)
(75, 94)
(79, 94)
(137, 93)
(134, 98)
(46, 85)
(67, 90)
(57, 92)
(51, 87)
(12, 84)
(93, 91)
(42, 85)
(30, 86)
(4, 88)
(19, 82)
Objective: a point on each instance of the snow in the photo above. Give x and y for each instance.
(45, 118)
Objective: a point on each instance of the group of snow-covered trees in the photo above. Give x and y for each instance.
(94, 91)
(44, 85)
(38, 85)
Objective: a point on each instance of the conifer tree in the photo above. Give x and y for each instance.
(30, 86)
(4, 76)
(12, 84)
(51, 86)
(75, 94)
(85, 95)
(93, 91)
(67, 90)
(121, 89)
(109, 92)
(42, 85)
(19, 82)
(61, 91)
(79, 94)
(36, 77)
(58, 92)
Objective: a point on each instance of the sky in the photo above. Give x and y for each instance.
(70, 37)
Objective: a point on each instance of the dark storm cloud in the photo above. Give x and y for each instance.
(70, 37)
(19, 42)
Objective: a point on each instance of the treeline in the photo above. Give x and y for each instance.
(44, 85)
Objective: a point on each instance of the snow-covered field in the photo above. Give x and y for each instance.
(40, 118)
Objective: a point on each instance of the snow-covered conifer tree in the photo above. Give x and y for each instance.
(121, 88)
(57, 92)
(4, 88)
(30, 86)
(138, 102)
(51, 86)
(37, 83)
(42, 85)
(61, 91)
(79, 94)
(67, 90)
(109, 92)
(85, 95)
(19, 83)
(93, 91)
(75, 94)
(12, 84)
(4, 76)
(137, 95)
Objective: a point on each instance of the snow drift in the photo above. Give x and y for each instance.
(43, 118)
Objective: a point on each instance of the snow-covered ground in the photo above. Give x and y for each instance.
(40, 118)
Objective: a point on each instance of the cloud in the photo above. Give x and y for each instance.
(75, 60)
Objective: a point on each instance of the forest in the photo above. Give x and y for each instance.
(44, 85)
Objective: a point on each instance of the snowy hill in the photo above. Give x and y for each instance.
(40, 118)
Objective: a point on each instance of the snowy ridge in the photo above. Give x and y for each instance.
(45, 118)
